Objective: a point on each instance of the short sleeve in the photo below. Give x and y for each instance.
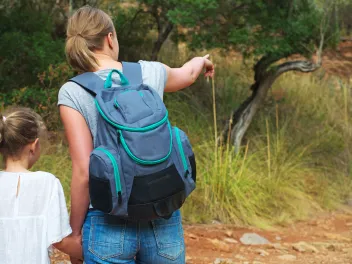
(65, 98)
(57, 219)
(154, 75)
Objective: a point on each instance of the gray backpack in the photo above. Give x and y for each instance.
(141, 167)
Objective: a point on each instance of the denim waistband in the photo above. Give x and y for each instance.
(117, 220)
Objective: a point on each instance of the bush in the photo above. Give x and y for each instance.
(26, 47)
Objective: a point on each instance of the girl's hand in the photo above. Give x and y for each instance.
(209, 67)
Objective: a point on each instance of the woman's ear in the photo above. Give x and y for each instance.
(111, 40)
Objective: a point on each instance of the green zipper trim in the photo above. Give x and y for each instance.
(146, 162)
(116, 103)
(131, 129)
(180, 147)
(116, 169)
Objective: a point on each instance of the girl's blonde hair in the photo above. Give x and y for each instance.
(19, 128)
(86, 30)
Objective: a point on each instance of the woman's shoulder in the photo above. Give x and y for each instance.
(72, 95)
(69, 87)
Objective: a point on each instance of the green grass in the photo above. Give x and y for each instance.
(296, 158)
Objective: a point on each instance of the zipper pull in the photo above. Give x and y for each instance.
(186, 173)
(120, 197)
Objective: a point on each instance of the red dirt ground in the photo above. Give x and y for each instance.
(328, 240)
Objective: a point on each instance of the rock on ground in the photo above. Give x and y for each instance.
(253, 239)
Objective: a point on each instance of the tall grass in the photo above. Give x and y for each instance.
(295, 160)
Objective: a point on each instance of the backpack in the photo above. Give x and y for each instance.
(141, 167)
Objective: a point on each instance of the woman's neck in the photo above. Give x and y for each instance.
(16, 165)
(106, 62)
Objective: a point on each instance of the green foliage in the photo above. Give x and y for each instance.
(259, 28)
(26, 49)
(134, 33)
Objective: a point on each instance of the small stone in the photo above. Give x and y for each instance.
(304, 247)
(230, 240)
(216, 222)
(220, 245)
(328, 246)
(253, 239)
(262, 252)
(229, 233)
(256, 262)
(218, 261)
(223, 261)
(287, 257)
(240, 257)
(192, 236)
(277, 246)
(336, 237)
(278, 238)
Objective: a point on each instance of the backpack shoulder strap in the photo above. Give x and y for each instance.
(89, 81)
(133, 72)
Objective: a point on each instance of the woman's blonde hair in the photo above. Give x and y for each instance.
(86, 30)
(19, 128)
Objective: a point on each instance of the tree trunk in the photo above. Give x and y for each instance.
(243, 116)
(162, 36)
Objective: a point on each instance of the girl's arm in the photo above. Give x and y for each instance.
(80, 145)
(71, 245)
(180, 78)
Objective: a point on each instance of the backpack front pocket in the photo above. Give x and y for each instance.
(106, 182)
(148, 147)
(134, 105)
(156, 194)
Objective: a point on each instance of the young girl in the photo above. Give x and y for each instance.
(33, 213)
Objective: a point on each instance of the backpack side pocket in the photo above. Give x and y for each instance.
(106, 182)
(187, 158)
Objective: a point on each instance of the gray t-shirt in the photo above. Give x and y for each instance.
(74, 96)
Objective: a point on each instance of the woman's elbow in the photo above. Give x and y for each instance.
(80, 174)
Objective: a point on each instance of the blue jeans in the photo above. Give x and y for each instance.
(111, 240)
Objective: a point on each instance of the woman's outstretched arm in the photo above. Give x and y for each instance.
(80, 145)
(180, 78)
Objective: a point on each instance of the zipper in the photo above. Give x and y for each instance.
(141, 161)
(116, 172)
(132, 129)
(180, 147)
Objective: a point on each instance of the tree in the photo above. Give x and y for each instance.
(166, 16)
(267, 32)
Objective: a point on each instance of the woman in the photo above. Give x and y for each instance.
(92, 46)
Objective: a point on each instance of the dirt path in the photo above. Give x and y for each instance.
(324, 240)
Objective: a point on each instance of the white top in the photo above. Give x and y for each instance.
(32, 221)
